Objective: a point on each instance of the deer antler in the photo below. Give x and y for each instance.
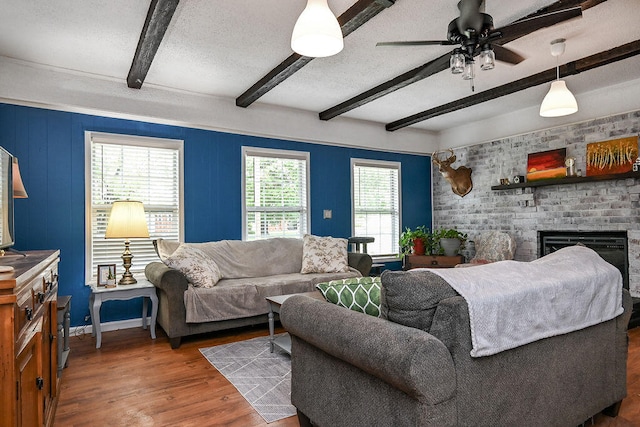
(449, 160)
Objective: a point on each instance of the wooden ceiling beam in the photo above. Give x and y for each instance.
(571, 68)
(439, 64)
(357, 15)
(155, 25)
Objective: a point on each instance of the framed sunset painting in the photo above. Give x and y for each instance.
(546, 165)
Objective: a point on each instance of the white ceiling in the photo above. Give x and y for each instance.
(221, 48)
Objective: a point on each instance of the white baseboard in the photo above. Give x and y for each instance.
(109, 326)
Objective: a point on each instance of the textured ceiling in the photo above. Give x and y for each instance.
(222, 48)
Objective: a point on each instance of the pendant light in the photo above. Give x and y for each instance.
(317, 32)
(559, 101)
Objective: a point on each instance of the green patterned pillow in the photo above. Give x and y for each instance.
(358, 293)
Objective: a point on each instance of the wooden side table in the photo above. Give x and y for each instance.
(431, 261)
(64, 321)
(143, 288)
(275, 302)
(284, 341)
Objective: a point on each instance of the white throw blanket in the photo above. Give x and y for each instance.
(513, 303)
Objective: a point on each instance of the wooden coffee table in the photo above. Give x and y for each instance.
(275, 302)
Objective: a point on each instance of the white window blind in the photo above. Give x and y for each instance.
(376, 204)
(132, 168)
(275, 193)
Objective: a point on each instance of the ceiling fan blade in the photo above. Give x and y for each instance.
(507, 55)
(418, 43)
(470, 17)
(530, 25)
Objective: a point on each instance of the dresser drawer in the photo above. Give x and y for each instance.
(32, 296)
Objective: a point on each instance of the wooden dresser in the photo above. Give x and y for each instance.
(28, 339)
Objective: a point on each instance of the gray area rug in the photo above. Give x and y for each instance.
(262, 377)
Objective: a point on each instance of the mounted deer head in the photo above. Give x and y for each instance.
(460, 179)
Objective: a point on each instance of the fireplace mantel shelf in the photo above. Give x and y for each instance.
(567, 180)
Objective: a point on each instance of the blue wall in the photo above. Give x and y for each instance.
(50, 147)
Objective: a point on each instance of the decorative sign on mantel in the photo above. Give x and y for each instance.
(612, 157)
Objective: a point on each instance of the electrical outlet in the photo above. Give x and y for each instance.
(87, 318)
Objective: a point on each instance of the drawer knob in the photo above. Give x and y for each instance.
(40, 383)
(434, 262)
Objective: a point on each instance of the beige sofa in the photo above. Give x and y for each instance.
(249, 272)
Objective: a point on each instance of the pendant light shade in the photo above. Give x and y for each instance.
(559, 101)
(317, 32)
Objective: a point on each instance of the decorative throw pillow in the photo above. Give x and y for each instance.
(358, 293)
(324, 255)
(197, 267)
(164, 248)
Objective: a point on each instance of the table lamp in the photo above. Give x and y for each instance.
(19, 192)
(127, 221)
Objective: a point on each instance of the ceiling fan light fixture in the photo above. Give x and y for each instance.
(317, 32)
(469, 72)
(559, 101)
(457, 62)
(487, 59)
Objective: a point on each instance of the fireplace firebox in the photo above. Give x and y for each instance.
(610, 245)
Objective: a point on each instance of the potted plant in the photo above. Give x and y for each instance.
(415, 242)
(449, 241)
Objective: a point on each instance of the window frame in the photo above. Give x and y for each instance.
(131, 140)
(281, 154)
(385, 164)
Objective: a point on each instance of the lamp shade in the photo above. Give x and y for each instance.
(317, 32)
(559, 101)
(487, 59)
(127, 220)
(19, 191)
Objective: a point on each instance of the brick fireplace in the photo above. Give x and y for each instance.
(595, 206)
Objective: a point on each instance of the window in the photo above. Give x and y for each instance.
(376, 204)
(136, 168)
(275, 193)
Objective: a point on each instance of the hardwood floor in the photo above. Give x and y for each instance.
(134, 381)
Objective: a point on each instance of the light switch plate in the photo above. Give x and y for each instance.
(326, 214)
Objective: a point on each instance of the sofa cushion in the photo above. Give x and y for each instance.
(238, 259)
(358, 294)
(245, 297)
(410, 298)
(324, 255)
(197, 267)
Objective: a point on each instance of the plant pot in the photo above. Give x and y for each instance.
(418, 247)
(450, 246)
